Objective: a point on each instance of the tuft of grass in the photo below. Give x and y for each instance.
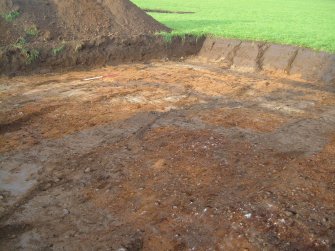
(78, 47)
(306, 23)
(167, 37)
(30, 54)
(32, 31)
(11, 16)
(21, 43)
(57, 50)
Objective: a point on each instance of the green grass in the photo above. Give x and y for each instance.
(57, 50)
(30, 54)
(21, 43)
(11, 16)
(32, 31)
(307, 23)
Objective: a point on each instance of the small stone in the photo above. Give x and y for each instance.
(121, 249)
(248, 215)
(87, 170)
(282, 221)
(65, 211)
(1, 197)
(288, 213)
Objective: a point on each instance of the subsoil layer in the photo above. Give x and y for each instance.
(166, 156)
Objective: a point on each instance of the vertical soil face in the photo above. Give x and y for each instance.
(166, 156)
(251, 56)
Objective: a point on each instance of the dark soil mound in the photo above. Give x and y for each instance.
(48, 20)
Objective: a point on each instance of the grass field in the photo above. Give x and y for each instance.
(308, 23)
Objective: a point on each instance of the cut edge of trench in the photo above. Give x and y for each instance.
(244, 56)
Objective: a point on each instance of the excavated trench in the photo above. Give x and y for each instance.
(244, 56)
(230, 146)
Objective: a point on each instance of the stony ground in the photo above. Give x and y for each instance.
(166, 156)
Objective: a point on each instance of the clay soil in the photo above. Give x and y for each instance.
(166, 156)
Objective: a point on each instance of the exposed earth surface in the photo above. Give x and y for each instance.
(58, 21)
(166, 156)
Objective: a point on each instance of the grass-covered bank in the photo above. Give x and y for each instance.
(307, 23)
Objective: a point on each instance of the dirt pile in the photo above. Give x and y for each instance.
(65, 20)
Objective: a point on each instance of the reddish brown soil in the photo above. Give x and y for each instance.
(166, 156)
(65, 20)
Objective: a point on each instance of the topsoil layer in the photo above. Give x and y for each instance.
(65, 20)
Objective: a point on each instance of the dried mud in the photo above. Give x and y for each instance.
(166, 156)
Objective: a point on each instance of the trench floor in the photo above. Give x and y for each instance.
(166, 156)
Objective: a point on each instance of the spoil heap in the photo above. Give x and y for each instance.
(67, 20)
